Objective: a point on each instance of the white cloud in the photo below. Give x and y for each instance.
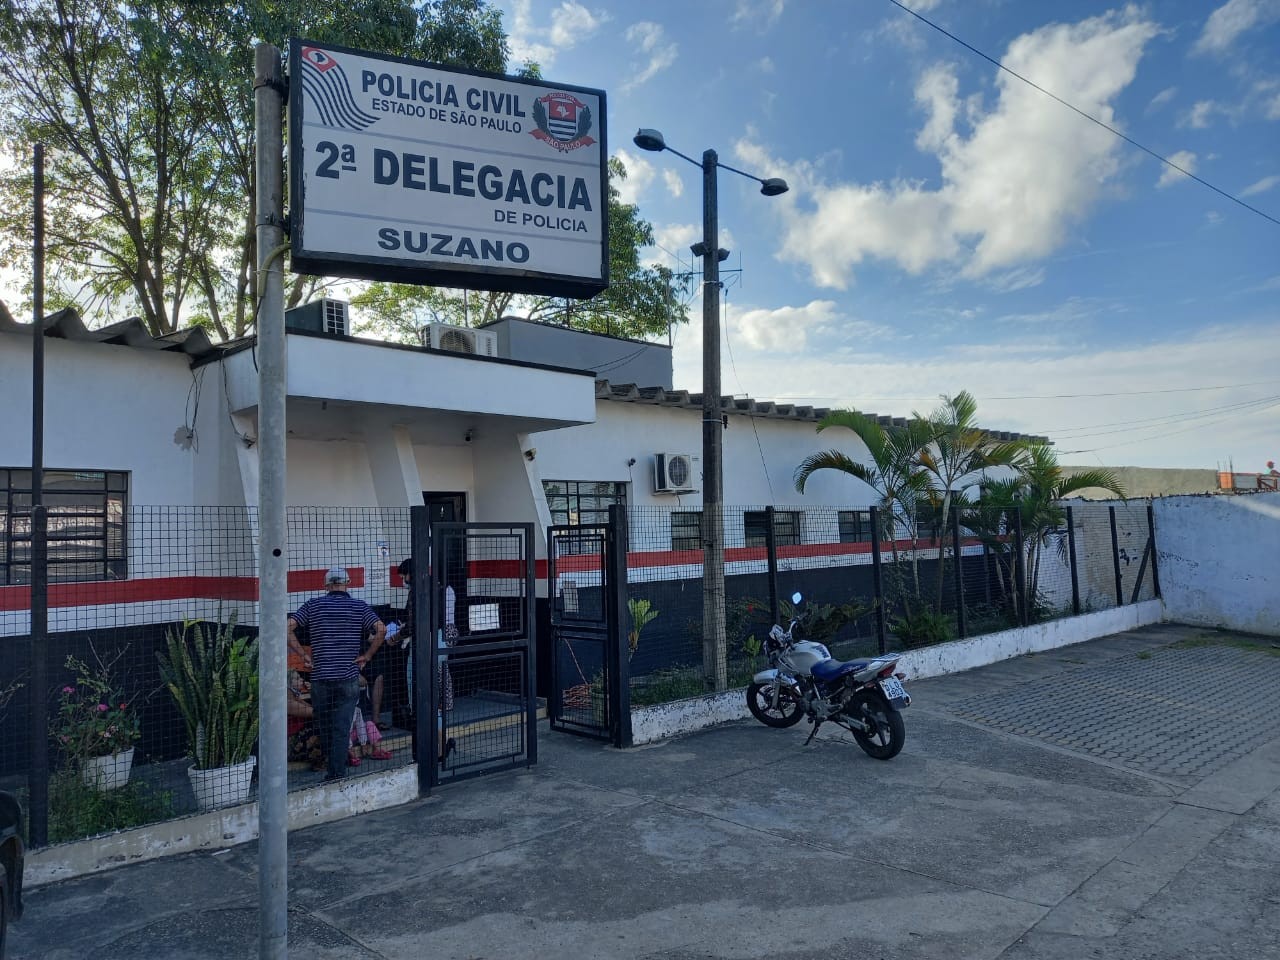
(1200, 115)
(640, 173)
(866, 375)
(650, 41)
(1021, 278)
(1010, 190)
(761, 13)
(571, 23)
(765, 65)
(1232, 19)
(1169, 176)
(1261, 186)
(1161, 98)
(784, 330)
(675, 184)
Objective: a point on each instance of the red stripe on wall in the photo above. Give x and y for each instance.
(144, 589)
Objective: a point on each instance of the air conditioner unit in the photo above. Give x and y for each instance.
(444, 336)
(673, 473)
(320, 316)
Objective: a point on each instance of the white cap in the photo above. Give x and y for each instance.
(337, 575)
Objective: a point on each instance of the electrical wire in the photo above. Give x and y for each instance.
(1146, 423)
(1093, 119)
(1169, 433)
(724, 318)
(1065, 396)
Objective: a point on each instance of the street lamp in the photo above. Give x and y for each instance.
(714, 649)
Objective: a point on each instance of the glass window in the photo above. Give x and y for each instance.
(855, 526)
(86, 523)
(686, 530)
(786, 528)
(580, 503)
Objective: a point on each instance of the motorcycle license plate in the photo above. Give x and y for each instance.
(892, 688)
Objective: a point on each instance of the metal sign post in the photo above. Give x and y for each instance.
(273, 552)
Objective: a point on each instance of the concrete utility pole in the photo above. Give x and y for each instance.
(714, 646)
(715, 651)
(273, 546)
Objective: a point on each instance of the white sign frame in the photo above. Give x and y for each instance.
(413, 172)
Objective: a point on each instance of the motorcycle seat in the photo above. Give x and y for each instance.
(829, 670)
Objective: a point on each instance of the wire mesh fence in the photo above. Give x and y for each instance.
(152, 660)
(870, 582)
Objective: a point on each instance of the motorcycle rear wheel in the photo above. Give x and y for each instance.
(890, 732)
(760, 701)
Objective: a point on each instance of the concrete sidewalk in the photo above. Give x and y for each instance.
(1119, 798)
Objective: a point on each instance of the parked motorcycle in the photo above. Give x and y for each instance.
(866, 697)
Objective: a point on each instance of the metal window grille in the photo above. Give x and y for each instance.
(87, 525)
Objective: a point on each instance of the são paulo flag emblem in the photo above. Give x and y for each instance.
(563, 121)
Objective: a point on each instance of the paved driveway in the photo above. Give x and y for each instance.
(1113, 799)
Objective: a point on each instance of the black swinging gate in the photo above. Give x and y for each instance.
(586, 586)
(476, 710)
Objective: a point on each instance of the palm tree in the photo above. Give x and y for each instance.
(958, 451)
(893, 472)
(1035, 494)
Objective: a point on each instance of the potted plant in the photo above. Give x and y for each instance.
(96, 726)
(212, 675)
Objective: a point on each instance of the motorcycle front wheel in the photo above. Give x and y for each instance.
(760, 701)
(889, 732)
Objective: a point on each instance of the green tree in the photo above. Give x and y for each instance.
(146, 107)
(954, 458)
(641, 300)
(894, 472)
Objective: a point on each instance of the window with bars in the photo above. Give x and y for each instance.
(786, 528)
(87, 514)
(855, 526)
(582, 502)
(686, 530)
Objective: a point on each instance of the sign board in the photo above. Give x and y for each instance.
(417, 173)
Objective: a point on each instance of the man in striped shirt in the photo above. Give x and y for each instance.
(337, 624)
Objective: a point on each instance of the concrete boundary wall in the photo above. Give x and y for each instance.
(219, 829)
(650, 724)
(1220, 560)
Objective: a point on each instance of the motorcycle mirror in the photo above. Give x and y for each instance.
(796, 598)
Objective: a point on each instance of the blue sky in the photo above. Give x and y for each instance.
(950, 227)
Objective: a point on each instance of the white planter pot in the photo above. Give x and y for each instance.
(109, 772)
(222, 786)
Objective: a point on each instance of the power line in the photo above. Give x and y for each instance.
(1105, 126)
(1169, 433)
(1063, 396)
(1101, 430)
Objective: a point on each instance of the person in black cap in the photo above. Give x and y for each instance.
(337, 624)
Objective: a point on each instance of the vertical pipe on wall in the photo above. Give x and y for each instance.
(1115, 557)
(877, 580)
(38, 777)
(1071, 556)
(273, 554)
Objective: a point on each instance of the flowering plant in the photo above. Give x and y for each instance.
(94, 718)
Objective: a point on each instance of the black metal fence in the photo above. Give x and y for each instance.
(870, 582)
(153, 671)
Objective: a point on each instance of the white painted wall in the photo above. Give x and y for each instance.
(328, 473)
(621, 431)
(446, 469)
(1220, 560)
(106, 408)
